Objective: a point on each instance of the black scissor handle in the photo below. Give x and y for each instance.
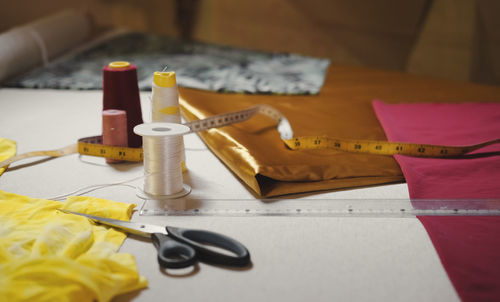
(200, 240)
(171, 253)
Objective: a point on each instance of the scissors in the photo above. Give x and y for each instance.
(179, 247)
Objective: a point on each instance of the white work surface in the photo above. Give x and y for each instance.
(293, 258)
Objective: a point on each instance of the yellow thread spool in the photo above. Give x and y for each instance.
(164, 79)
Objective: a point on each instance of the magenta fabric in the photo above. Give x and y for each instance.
(469, 247)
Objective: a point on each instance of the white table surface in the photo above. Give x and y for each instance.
(293, 258)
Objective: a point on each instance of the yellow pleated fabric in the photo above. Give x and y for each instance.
(48, 255)
(8, 149)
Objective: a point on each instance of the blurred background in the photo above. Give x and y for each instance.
(448, 39)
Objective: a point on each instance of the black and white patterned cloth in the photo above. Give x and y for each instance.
(197, 65)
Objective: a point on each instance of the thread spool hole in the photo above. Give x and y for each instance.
(161, 129)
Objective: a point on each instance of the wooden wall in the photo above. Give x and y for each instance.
(453, 39)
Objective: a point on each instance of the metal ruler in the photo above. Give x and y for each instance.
(398, 208)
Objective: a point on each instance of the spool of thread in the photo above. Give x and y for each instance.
(120, 91)
(114, 129)
(165, 103)
(162, 156)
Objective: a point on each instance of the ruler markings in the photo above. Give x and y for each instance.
(327, 207)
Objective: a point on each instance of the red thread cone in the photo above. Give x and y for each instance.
(120, 91)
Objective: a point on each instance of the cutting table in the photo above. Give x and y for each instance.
(293, 258)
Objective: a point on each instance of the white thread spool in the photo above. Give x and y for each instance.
(162, 151)
(165, 102)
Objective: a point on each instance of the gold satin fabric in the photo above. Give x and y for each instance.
(254, 151)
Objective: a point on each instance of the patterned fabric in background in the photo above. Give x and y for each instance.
(197, 65)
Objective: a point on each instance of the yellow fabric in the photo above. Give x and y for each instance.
(48, 255)
(7, 150)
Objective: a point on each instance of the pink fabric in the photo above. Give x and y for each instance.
(469, 247)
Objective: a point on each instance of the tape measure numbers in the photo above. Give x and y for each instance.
(382, 147)
(93, 145)
(230, 118)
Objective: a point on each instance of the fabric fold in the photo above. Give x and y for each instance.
(467, 246)
(254, 151)
(342, 109)
(48, 255)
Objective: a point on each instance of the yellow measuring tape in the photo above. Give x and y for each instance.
(382, 147)
(93, 145)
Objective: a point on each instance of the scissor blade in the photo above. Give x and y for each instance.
(136, 228)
